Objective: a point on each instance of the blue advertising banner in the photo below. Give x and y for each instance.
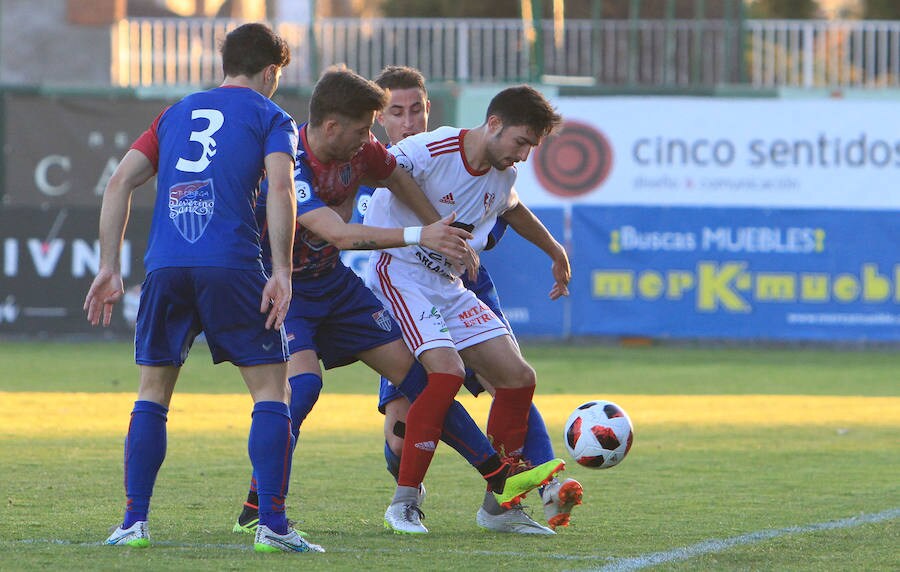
(681, 272)
(521, 272)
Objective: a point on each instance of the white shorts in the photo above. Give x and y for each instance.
(432, 311)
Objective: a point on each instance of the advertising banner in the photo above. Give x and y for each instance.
(685, 151)
(48, 258)
(736, 273)
(523, 277)
(61, 150)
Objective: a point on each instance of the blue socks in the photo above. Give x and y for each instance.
(305, 389)
(270, 447)
(393, 461)
(145, 449)
(538, 448)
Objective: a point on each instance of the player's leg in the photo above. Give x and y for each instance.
(407, 291)
(397, 366)
(498, 359)
(270, 445)
(513, 379)
(559, 497)
(304, 387)
(394, 412)
(235, 331)
(538, 448)
(270, 440)
(145, 450)
(164, 331)
(394, 406)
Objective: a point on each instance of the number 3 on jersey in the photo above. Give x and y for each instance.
(204, 138)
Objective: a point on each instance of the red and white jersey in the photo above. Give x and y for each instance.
(437, 161)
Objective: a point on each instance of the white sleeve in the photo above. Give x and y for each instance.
(511, 201)
(413, 157)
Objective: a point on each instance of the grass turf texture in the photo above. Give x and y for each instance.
(728, 442)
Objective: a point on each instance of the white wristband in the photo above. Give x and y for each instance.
(412, 235)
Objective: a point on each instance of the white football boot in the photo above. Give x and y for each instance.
(559, 500)
(404, 518)
(514, 520)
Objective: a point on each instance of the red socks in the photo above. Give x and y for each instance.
(508, 420)
(424, 424)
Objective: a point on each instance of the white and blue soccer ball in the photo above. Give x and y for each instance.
(598, 434)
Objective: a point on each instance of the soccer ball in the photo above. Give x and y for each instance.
(598, 434)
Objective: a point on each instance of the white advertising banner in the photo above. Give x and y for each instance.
(684, 151)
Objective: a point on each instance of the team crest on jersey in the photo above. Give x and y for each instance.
(383, 320)
(191, 207)
(345, 173)
(489, 201)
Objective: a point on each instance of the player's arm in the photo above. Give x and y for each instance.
(401, 184)
(134, 170)
(439, 236)
(530, 227)
(281, 212)
(405, 188)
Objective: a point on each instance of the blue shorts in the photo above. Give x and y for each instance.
(336, 316)
(178, 303)
(484, 289)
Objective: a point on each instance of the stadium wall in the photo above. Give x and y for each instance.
(686, 217)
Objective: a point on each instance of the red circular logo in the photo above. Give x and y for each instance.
(575, 162)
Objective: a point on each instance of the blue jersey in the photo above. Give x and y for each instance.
(209, 151)
(334, 185)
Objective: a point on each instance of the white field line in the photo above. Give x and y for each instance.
(614, 564)
(720, 545)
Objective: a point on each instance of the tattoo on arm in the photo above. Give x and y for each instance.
(364, 245)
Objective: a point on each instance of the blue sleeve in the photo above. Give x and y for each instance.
(307, 197)
(361, 204)
(284, 136)
(496, 233)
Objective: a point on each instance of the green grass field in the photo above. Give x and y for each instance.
(744, 459)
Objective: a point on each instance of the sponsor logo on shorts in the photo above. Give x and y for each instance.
(436, 318)
(475, 316)
(382, 320)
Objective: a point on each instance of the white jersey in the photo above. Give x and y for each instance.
(437, 161)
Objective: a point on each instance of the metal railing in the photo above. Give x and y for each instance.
(651, 53)
(828, 54)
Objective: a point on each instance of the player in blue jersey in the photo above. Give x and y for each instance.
(204, 269)
(333, 317)
(407, 114)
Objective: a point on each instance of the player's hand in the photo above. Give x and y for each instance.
(276, 298)
(449, 240)
(471, 262)
(562, 273)
(106, 289)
